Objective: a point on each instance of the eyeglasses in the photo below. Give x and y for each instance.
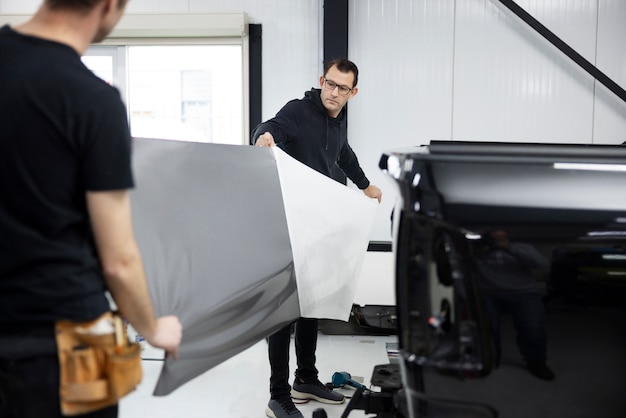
(331, 85)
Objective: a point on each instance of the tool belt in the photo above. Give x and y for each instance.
(98, 364)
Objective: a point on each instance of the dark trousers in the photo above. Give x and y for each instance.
(29, 388)
(278, 346)
(528, 313)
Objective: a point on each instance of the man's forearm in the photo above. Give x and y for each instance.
(120, 257)
(126, 281)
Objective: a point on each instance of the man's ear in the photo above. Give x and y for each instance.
(105, 7)
(321, 81)
(353, 92)
(114, 5)
(109, 4)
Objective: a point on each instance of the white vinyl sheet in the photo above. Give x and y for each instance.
(329, 226)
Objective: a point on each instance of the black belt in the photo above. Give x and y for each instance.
(18, 343)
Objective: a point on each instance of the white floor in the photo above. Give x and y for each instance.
(239, 387)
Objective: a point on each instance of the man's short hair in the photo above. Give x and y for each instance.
(78, 5)
(345, 66)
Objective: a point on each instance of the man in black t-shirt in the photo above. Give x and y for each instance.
(65, 221)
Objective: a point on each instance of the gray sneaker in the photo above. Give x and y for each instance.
(316, 390)
(282, 408)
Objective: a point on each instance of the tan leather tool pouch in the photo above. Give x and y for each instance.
(98, 365)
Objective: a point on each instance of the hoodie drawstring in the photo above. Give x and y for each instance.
(326, 133)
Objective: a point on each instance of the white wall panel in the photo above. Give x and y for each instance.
(404, 51)
(157, 6)
(19, 6)
(513, 85)
(610, 110)
(291, 44)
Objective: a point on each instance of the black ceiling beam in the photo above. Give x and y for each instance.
(335, 29)
(336, 43)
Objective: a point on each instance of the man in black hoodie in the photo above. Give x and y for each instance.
(312, 130)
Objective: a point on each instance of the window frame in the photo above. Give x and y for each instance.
(190, 29)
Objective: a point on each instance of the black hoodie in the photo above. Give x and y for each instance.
(304, 130)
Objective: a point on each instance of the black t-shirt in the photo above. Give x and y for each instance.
(63, 132)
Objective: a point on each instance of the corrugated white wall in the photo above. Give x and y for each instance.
(610, 113)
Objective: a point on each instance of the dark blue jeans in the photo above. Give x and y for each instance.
(528, 313)
(278, 346)
(29, 388)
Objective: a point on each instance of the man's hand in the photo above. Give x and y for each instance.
(373, 192)
(265, 140)
(167, 335)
